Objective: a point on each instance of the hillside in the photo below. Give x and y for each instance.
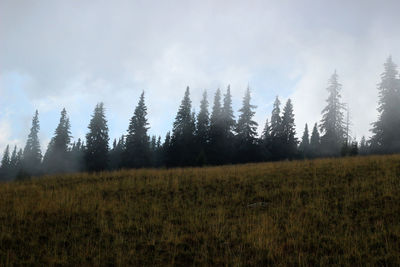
(331, 211)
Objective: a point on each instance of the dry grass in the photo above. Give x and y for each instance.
(322, 212)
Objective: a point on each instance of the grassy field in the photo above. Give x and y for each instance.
(323, 212)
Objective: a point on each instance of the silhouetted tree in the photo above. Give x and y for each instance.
(77, 156)
(315, 142)
(246, 129)
(116, 153)
(202, 131)
(137, 146)
(304, 147)
(56, 159)
(386, 137)
(228, 126)
(332, 124)
(5, 165)
(274, 143)
(289, 140)
(182, 152)
(364, 150)
(216, 148)
(97, 148)
(32, 156)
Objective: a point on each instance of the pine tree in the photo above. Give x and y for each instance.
(315, 142)
(97, 148)
(363, 146)
(183, 134)
(386, 137)
(116, 153)
(137, 146)
(228, 127)
(32, 157)
(5, 165)
(14, 164)
(77, 156)
(56, 159)
(332, 124)
(202, 130)
(246, 129)
(216, 153)
(275, 142)
(304, 146)
(289, 139)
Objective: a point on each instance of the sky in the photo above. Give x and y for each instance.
(74, 54)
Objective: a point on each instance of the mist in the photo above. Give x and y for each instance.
(74, 55)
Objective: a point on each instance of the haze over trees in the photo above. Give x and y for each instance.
(210, 137)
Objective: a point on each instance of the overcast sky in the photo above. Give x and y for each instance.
(73, 54)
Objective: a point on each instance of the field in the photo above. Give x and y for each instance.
(304, 213)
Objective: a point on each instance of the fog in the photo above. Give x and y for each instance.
(73, 54)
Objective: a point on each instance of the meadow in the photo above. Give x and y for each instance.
(302, 213)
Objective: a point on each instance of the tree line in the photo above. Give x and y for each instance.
(210, 137)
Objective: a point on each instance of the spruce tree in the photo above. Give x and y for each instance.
(216, 153)
(183, 134)
(228, 127)
(137, 146)
(116, 153)
(246, 130)
(5, 165)
(332, 123)
(275, 142)
(289, 140)
(202, 130)
(77, 156)
(32, 157)
(315, 142)
(386, 137)
(304, 146)
(56, 159)
(97, 148)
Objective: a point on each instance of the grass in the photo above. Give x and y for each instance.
(323, 212)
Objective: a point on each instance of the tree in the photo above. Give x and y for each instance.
(363, 147)
(77, 156)
(216, 149)
(116, 153)
(332, 123)
(274, 143)
(228, 126)
(386, 137)
(289, 140)
(56, 158)
(5, 165)
(182, 151)
(315, 142)
(32, 156)
(97, 148)
(137, 145)
(304, 146)
(202, 130)
(246, 129)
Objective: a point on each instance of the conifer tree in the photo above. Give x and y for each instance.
(56, 159)
(332, 123)
(77, 156)
(183, 134)
(14, 164)
(32, 157)
(246, 129)
(274, 144)
(137, 145)
(116, 153)
(216, 148)
(315, 143)
(202, 130)
(5, 165)
(228, 127)
(97, 148)
(363, 146)
(386, 137)
(304, 146)
(289, 140)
